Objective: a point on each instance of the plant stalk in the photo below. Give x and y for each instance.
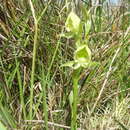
(75, 100)
(34, 58)
(45, 107)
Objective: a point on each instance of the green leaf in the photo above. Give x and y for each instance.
(87, 20)
(73, 23)
(87, 27)
(2, 127)
(82, 56)
(86, 14)
(71, 98)
(68, 64)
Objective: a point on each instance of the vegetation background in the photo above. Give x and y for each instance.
(35, 89)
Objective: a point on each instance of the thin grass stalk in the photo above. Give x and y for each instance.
(21, 90)
(43, 12)
(20, 86)
(34, 58)
(53, 57)
(9, 119)
(45, 108)
(106, 79)
(7, 91)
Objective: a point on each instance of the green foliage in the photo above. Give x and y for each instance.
(82, 58)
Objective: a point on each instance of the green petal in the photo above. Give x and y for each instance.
(73, 23)
(82, 54)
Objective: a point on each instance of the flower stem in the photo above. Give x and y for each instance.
(75, 100)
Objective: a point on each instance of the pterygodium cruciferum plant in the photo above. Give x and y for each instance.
(82, 56)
